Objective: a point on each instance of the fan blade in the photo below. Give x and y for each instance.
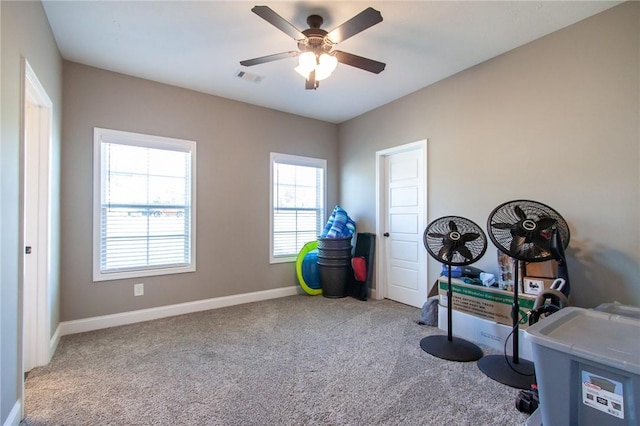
(311, 83)
(444, 253)
(359, 62)
(545, 223)
(516, 244)
(452, 226)
(502, 225)
(436, 235)
(363, 20)
(541, 242)
(266, 13)
(521, 215)
(465, 252)
(269, 58)
(469, 236)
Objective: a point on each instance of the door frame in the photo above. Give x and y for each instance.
(34, 302)
(381, 210)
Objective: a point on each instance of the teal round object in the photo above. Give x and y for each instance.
(310, 273)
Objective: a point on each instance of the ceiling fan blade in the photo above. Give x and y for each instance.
(269, 58)
(311, 83)
(266, 13)
(359, 62)
(365, 19)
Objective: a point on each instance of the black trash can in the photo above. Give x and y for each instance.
(334, 265)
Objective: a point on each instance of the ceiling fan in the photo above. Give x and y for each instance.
(316, 59)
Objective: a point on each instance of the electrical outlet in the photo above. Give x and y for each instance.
(138, 289)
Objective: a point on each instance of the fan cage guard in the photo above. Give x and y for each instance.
(434, 243)
(534, 211)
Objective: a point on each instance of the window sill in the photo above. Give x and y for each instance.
(111, 276)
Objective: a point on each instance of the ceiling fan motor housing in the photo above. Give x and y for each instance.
(316, 41)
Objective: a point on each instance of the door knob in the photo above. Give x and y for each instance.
(386, 234)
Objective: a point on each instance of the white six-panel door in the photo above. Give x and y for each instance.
(405, 277)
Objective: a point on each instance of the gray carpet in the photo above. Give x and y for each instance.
(298, 360)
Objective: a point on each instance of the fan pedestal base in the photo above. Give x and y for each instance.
(497, 367)
(451, 350)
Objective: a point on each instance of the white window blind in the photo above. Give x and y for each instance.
(297, 204)
(144, 205)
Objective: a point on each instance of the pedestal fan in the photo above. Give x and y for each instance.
(525, 231)
(454, 241)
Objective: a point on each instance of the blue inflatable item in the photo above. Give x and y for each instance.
(310, 274)
(310, 270)
(456, 271)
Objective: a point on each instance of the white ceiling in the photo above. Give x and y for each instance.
(198, 45)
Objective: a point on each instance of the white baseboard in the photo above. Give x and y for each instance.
(124, 318)
(374, 295)
(13, 419)
(53, 343)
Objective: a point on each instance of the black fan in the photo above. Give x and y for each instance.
(526, 231)
(319, 42)
(454, 241)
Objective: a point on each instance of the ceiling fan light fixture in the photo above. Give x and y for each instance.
(302, 71)
(306, 64)
(323, 65)
(326, 65)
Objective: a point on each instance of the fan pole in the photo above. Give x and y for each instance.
(450, 348)
(449, 305)
(520, 375)
(515, 313)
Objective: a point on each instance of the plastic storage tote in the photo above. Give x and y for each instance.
(587, 367)
(619, 309)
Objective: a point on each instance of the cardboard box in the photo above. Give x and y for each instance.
(485, 302)
(484, 332)
(506, 272)
(548, 269)
(535, 285)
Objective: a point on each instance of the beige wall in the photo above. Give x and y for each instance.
(25, 33)
(555, 121)
(233, 145)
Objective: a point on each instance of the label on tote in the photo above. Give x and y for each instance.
(603, 394)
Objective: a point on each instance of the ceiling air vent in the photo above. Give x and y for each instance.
(248, 76)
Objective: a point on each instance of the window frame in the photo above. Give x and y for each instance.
(101, 135)
(295, 160)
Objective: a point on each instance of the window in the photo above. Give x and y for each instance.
(144, 205)
(297, 204)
